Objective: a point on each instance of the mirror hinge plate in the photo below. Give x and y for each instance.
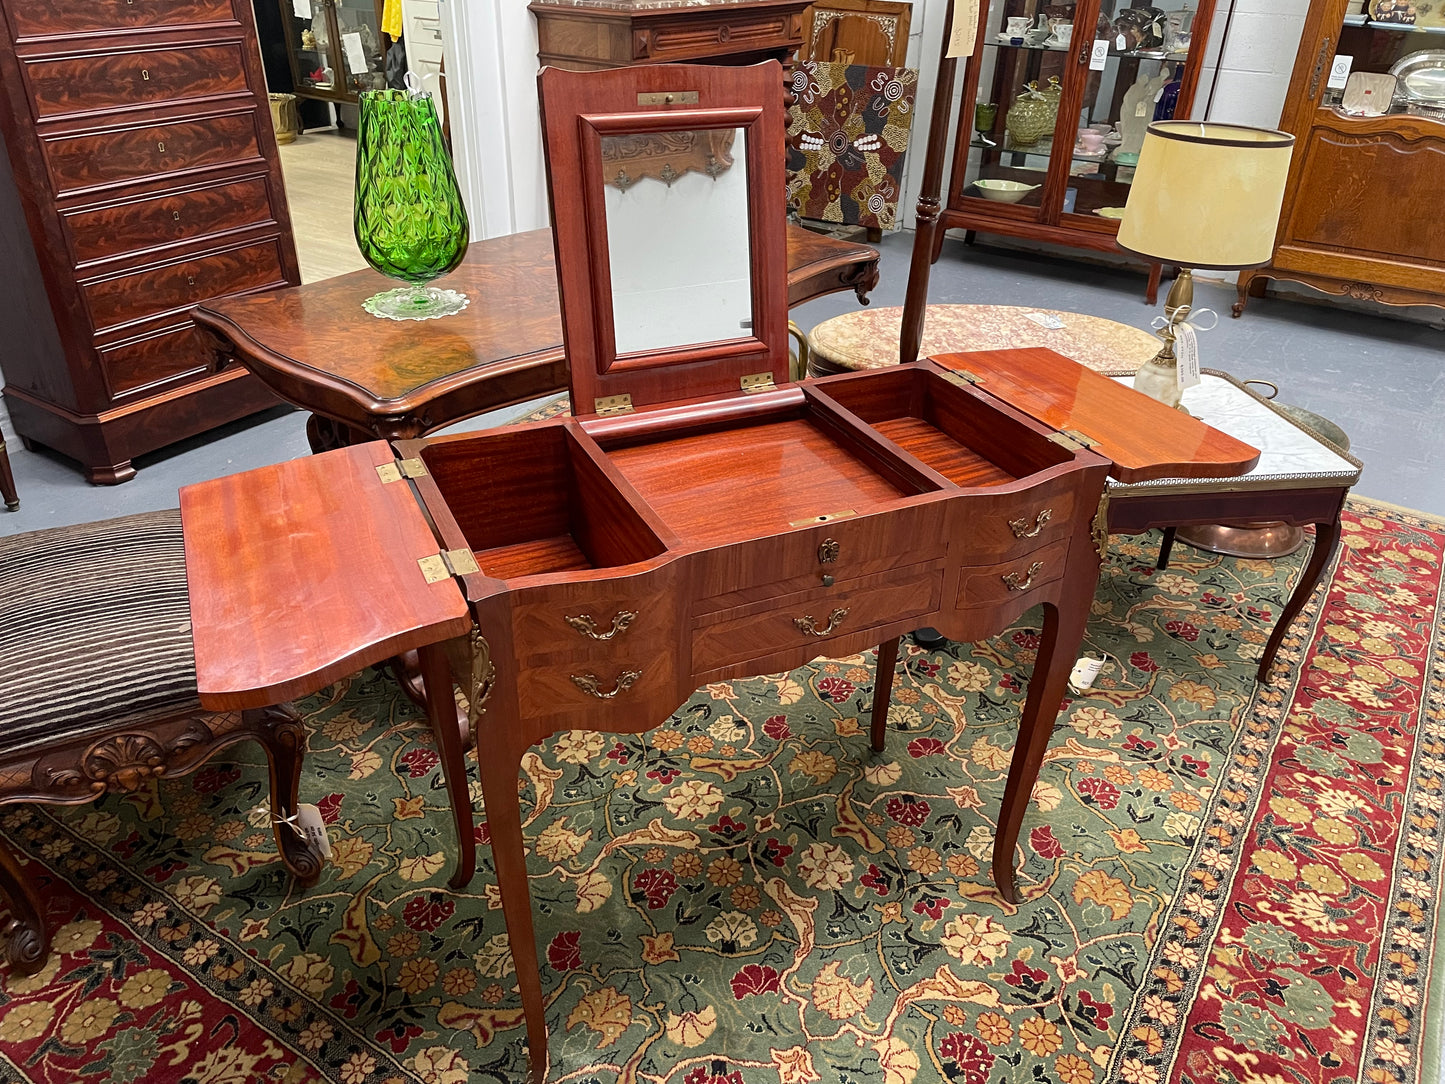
(962, 377)
(448, 563)
(757, 382)
(667, 97)
(399, 469)
(608, 405)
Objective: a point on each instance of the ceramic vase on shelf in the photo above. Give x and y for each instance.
(410, 222)
(1031, 117)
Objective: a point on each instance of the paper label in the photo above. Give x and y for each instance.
(1186, 349)
(313, 828)
(355, 54)
(1046, 320)
(302, 8)
(964, 31)
(1340, 72)
(1100, 56)
(1121, 43)
(1142, 109)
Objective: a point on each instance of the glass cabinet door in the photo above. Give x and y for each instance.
(1026, 59)
(1143, 79)
(360, 50)
(308, 34)
(1390, 59)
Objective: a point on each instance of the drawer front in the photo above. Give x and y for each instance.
(161, 220)
(639, 689)
(810, 618)
(35, 17)
(585, 622)
(78, 84)
(1009, 581)
(844, 549)
(735, 31)
(86, 161)
(122, 299)
(995, 527)
(145, 363)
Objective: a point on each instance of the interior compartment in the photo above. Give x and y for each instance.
(531, 501)
(970, 442)
(760, 474)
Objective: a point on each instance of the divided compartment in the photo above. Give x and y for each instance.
(750, 467)
(960, 434)
(532, 501)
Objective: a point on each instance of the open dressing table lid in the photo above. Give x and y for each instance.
(1142, 437)
(668, 219)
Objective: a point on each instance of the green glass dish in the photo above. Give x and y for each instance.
(410, 222)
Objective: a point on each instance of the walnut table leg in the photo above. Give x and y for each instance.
(28, 945)
(883, 691)
(1327, 539)
(7, 480)
(442, 713)
(283, 736)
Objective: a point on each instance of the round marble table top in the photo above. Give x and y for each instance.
(868, 339)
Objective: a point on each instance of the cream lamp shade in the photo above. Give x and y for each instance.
(1207, 195)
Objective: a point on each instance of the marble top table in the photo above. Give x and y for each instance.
(1300, 479)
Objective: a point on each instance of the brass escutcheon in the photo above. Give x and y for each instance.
(585, 624)
(591, 684)
(828, 551)
(1021, 528)
(1022, 581)
(809, 624)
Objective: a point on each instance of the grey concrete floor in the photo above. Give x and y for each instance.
(1382, 380)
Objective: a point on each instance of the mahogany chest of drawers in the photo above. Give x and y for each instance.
(141, 178)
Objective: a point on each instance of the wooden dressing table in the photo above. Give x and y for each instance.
(699, 519)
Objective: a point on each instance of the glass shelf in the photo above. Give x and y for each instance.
(1131, 54)
(1394, 28)
(1044, 148)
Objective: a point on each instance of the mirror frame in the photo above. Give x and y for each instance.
(578, 110)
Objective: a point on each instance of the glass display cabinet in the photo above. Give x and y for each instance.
(335, 46)
(1051, 118)
(1366, 105)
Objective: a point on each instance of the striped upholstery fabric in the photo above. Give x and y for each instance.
(95, 627)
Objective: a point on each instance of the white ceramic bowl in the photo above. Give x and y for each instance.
(1003, 191)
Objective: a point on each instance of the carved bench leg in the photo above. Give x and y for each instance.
(28, 946)
(283, 736)
(883, 691)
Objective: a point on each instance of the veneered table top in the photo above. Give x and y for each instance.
(320, 330)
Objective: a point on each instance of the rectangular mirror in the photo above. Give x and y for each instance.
(677, 237)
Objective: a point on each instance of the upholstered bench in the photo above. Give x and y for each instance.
(98, 689)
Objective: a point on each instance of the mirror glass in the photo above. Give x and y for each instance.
(677, 237)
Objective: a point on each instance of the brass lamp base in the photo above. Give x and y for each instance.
(1264, 541)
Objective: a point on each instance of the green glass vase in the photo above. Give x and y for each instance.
(410, 222)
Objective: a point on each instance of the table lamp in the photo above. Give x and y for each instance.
(1205, 195)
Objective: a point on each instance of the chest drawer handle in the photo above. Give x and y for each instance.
(1022, 581)
(591, 683)
(584, 624)
(1021, 528)
(809, 625)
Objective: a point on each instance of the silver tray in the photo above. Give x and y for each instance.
(1421, 76)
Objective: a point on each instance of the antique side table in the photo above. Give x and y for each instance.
(364, 378)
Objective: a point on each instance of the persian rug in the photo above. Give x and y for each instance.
(1225, 884)
(847, 137)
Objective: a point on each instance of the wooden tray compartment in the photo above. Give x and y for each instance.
(770, 464)
(535, 500)
(959, 433)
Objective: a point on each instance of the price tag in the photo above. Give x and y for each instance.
(1046, 320)
(313, 828)
(1081, 678)
(302, 8)
(1100, 56)
(355, 53)
(1142, 109)
(1186, 349)
(1340, 72)
(964, 31)
(1121, 43)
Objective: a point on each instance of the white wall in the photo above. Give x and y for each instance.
(498, 140)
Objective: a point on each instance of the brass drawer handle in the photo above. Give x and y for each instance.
(584, 624)
(1021, 529)
(590, 683)
(810, 626)
(1022, 581)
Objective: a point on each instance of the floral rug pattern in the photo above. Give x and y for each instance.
(1223, 884)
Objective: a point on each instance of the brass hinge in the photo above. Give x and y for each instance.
(757, 382)
(667, 97)
(1073, 440)
(962, 377)
(609, 405)
(448, 563)
(399, 469)
(828, 517)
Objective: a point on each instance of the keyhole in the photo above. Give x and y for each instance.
(160, 146)
(145, 74)
(176, 215)
(190, 280)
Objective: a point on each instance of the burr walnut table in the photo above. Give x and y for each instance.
(364, 378)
